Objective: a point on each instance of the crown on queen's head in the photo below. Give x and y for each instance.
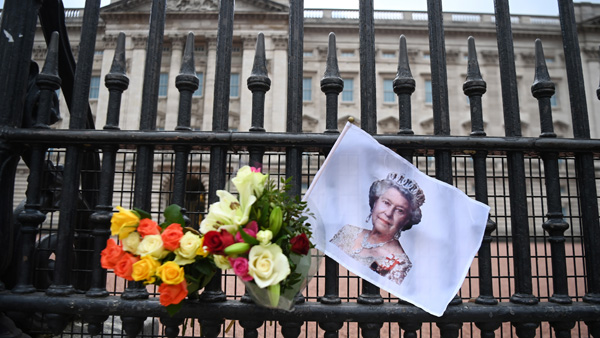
(408, 185)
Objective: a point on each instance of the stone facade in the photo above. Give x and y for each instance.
(271, 18)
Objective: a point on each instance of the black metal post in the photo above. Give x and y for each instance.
(259, 83)
(368, 121)
(332, 85)
(584, 161)
(218, 155)
(187, 83)
(31, 217)
(404, 85)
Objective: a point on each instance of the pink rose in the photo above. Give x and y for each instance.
(251, 229)
(240, 268)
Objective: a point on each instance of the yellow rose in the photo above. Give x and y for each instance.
(222, 262)
(123, 223)
(228, 213)
(268, 265)
(145, 269)
(131, 242)
(188, 248)
(152, 245)
(171, 273)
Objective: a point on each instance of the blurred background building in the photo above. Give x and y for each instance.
(271, 18)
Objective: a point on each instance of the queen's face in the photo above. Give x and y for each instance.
(390, 212)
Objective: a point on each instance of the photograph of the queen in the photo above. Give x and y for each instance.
(395, 206)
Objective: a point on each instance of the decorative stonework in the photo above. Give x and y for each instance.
(279, 41)
(389, 125)
(110, 41)
(187, 5)
(39, 52)
(528, 58)
(249, 41)
(591, 53)
(139, 41)
(452, 56)
(177, 41)
(489, 56)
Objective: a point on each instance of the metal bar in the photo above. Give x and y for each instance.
(187, 83)
(116, 81)
(368, 121)
(512, 124)
(474, 87)
(85, 62)
(143, 177)
(332, 85)
(259, 83)
(68, 213)
(97, 138)
(293, 159)
(218, 154)
(583, 161)
(441, 115)
(366, 32)
(309, 311)
(19, 19)
(404, 86)
(543, 89)
(31, 217)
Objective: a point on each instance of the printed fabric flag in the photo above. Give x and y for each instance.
(384, 220)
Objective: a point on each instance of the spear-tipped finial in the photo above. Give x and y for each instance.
(116, 78)
(187, 62)
(51, 65)
(474, 84)
(259, 78)
(259, 68)
(331, 81)
(404, 82)
(331, 69)
(542, 84)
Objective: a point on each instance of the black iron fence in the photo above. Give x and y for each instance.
(537, 272)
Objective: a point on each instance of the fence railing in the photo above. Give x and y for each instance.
(537, 269)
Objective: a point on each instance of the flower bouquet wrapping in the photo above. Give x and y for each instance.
(262, 236)
(169, 255)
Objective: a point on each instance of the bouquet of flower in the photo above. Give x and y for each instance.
(169, 255)
(262, 236)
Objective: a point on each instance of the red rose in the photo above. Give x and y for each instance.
(111, 255)
(171, 236)
(124, 267)
(172, 294)
(300, 244)
(216, 241)
(148, 227)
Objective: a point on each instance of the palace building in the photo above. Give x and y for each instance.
(271, 18)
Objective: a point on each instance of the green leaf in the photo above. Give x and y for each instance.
(173, 215)
(247, 238)
(141, 213)
(173, 309)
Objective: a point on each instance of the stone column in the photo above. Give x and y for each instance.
(110, 43)
(275, 119)
(132, 100)
(209, 82)
(177, 43)
(245, 94)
